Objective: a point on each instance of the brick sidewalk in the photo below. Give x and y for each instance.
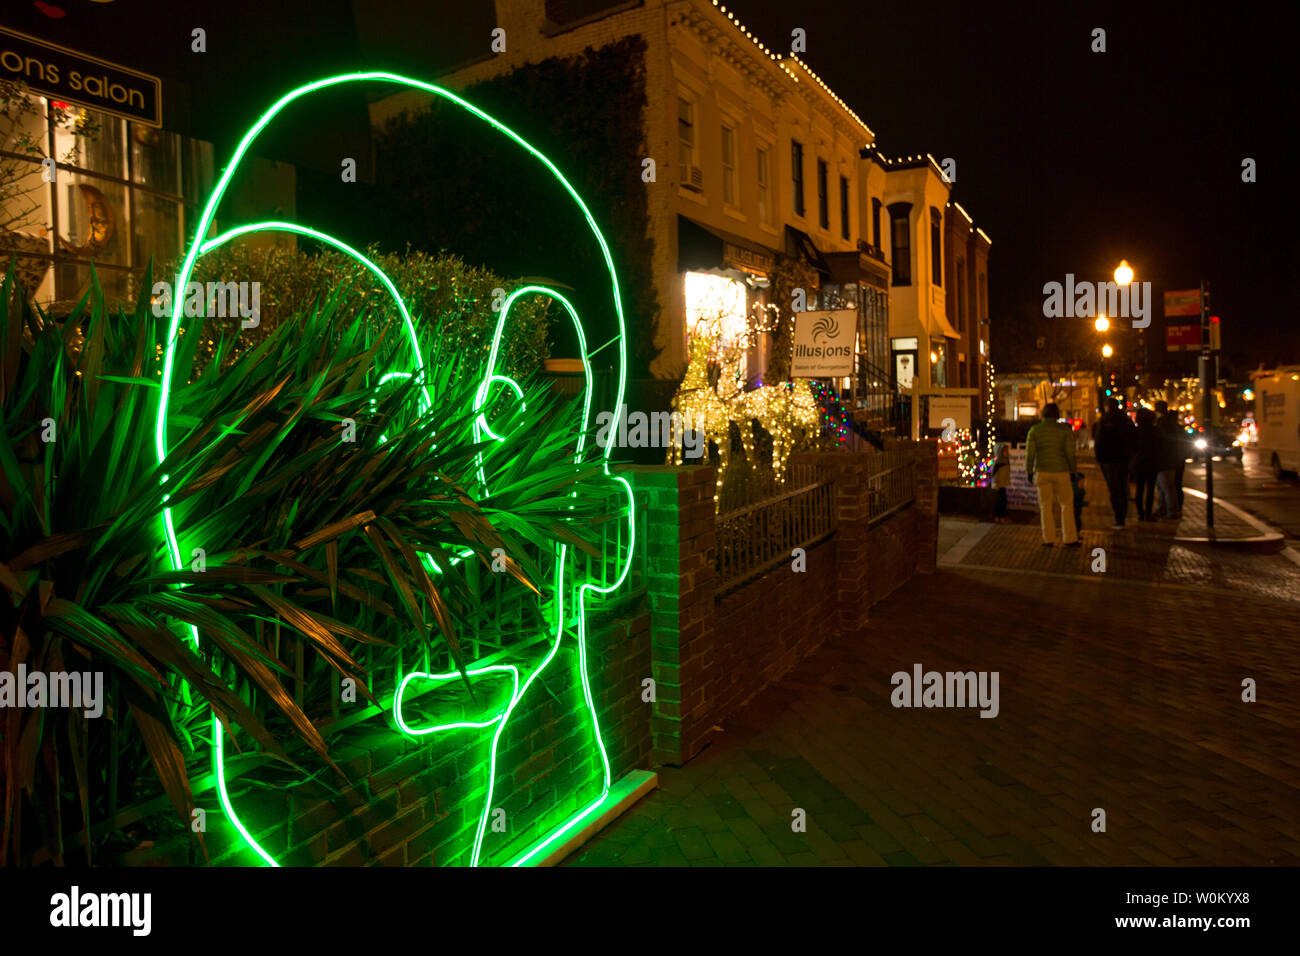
(1130, 702)
(1141, 552)
(1097, 514)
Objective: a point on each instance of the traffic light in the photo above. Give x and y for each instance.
(1110, 384)
(1214, 333)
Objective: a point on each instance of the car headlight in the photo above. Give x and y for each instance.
(1236, 443)
(1200, 443)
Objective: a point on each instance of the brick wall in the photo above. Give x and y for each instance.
(927, 505)
(762, 631)
(714, 650)
(416, 801)
(680, 550)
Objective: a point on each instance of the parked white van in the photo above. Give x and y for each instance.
(1277, 417)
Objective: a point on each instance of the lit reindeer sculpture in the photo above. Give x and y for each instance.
(569, 621)
(702, 408)
(778, 408)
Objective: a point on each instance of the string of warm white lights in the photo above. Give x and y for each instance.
(990, 439)
(780, 409)
(969, 464)
(779, 60)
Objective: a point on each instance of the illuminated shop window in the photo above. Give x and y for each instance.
(123, 193)
(717, 306)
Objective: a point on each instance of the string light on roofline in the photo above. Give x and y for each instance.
(778, 58)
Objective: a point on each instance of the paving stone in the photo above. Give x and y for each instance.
(670, 856)
(879, 839)
(727, 847)
(693, 844)
(958, 853)
(728, 807)
(861, 853)
(901, 858)
(767, 855)
(638, 855)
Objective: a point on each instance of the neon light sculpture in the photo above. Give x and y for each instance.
(587, 589)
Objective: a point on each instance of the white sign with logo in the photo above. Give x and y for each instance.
(823, 343)
(1021, 494)
(943, 407)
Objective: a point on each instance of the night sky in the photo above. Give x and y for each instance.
(1072, 160)
(1069, 159)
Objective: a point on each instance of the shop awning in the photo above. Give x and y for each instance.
(703, 248)
(946, 327)
(800, 244)
(857, 267)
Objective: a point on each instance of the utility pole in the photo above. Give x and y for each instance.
(1208, 378)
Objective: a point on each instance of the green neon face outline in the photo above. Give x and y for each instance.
(587, 588)
(480, 423)
(558, 590)
(444, 678)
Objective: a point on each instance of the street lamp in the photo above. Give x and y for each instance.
(1123, 272)
(1102, 323)
(1107, 351)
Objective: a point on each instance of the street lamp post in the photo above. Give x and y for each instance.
(1209, 375)
(1124, 277)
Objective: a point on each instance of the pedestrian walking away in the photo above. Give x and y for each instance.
(1049, 463)
(1080, 498)
(1002, 481)
(1113, 446)
(1169, 482)
(1148, 456)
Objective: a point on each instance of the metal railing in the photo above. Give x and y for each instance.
(891, 482)
(745, 485)
(757, 537)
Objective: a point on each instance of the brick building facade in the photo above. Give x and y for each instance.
(755, 159)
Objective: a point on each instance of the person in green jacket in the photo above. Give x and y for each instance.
(1049, 462)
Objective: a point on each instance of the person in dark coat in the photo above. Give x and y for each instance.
(1113, 446)
(1002, 481)
(1147, 458)
(1169, 483)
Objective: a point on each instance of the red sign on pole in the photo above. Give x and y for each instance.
(1183, 302)
(1182, 338)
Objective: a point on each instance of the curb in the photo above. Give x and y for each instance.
(1267, 541)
